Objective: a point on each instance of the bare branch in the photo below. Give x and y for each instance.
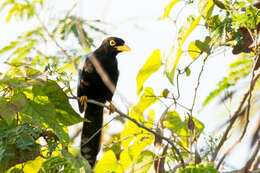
(253, 157)
(235, 115)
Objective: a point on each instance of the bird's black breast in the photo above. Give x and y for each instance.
(91, 83)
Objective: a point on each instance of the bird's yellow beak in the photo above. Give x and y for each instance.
(123, 48)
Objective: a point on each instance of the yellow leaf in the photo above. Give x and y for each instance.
(193, 50)
(168, 9)
(33, 166)
(108, 163)
(125, 160)
(152, 64)
(141, 142)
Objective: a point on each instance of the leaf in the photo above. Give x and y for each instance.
(26, 142)
(147, 99)
(174, 57)
(193, 50)
(205, 8)
(179, 127)
(168, 9)
(34, 165)
(131, 129)
(204, 47)
(59, 100)
(9, 109)
(108, 163)
(198, 169)
(187, 71)
(31, 72)
(141, 142)
(76, 162)
(151, 65)
(45, 113)
(144, 162)
(125, 160)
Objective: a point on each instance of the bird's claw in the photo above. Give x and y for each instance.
(112, 108)
(83, 101)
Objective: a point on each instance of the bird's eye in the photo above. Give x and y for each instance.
(112, 43)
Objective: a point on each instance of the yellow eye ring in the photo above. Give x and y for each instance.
(112, 43)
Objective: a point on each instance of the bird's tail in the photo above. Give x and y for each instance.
(91, 133)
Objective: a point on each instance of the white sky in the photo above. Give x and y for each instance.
(136, 22)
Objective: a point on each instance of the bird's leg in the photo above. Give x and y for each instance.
(112, 108)
(83, 101)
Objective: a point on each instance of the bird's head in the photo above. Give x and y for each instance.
(114, 45)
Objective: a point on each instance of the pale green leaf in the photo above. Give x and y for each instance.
(174, 57)
(151, 65)
(205, 8)
(179, 127)
(144, 162)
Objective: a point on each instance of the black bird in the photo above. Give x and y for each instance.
(98, 71)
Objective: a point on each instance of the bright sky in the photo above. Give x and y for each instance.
(136, 22)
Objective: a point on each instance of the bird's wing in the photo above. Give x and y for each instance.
(80, 79)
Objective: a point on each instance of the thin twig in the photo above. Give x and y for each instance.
(51, 36)
(198, 83)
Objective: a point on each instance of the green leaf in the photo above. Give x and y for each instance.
(174, 57)
(108, 163)
(204, 47)
(59, 100)
(78, 162)
(26, 142)
(9, 109)
(193, 50)
(179, 127)
(151, 65)
(198, 169)
(168, 9)
(40, 113)
(187, 71)
(144, 162)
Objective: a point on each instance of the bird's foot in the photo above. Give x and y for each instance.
(111, 107)
(83, 101)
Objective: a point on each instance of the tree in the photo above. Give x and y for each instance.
(35, 94)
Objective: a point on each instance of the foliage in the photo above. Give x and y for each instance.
(34, 92)
(33, 105)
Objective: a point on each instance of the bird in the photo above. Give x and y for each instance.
(97, 78)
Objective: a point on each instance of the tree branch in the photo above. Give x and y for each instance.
(235, 116)
(139, 125)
